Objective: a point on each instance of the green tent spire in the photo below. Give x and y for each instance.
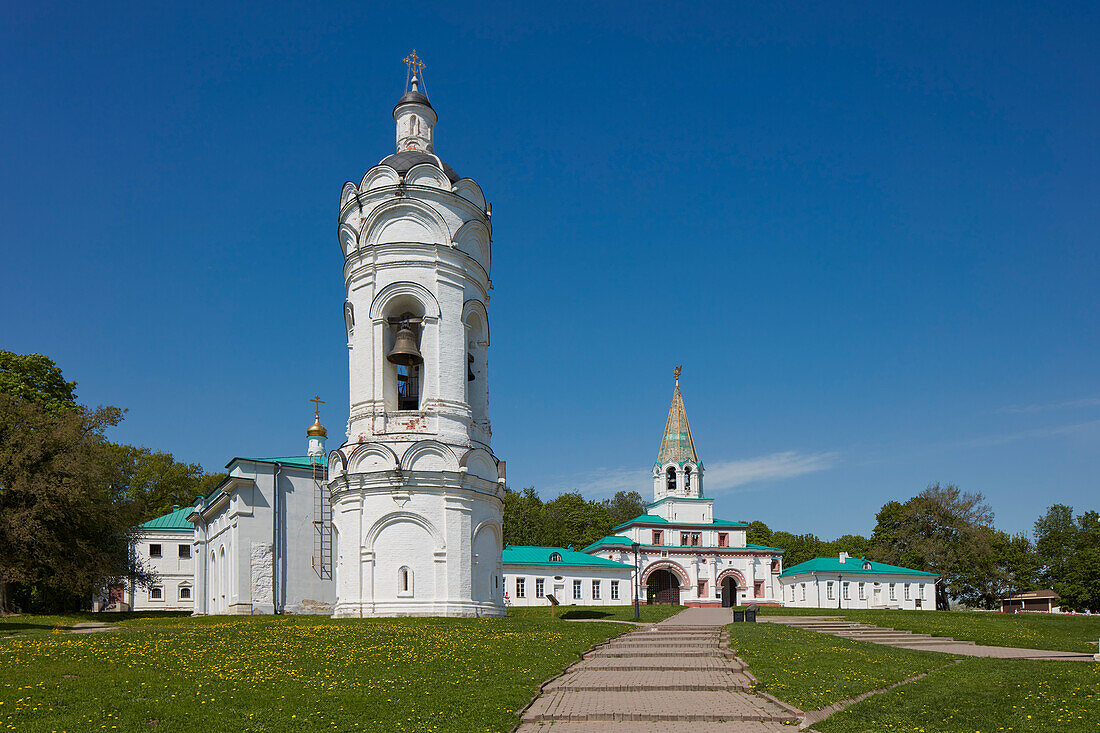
(677, 445)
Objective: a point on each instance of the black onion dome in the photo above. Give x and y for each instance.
(411, 97)
(402, 162)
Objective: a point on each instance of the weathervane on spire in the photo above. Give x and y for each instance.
(676, 373)
(414, 68)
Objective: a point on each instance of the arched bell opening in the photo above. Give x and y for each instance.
(403, 363)
(670, 480)
(687, 479)
(477, 371)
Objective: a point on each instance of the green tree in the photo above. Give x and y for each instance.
(35, 378)
(64, 529)
(1080, 590)
(759, 534)
(154, 481)
(523, 517)
(941, 530)
(1055, 543)
(624, 506)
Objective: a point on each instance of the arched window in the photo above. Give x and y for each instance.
(687, 478)
(670, 479)
(405, 581)
(555, 557)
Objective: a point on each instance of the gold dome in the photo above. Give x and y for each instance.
(317, 429)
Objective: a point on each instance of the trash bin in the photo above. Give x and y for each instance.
(750, 612)
(738, 616)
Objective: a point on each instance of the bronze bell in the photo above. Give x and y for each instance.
(404, 351)
(470, 376)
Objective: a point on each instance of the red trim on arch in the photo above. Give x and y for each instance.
(727, 573)
(675, 568)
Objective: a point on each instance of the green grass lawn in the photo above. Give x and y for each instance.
(811, 670)
(646, 614)
(1026, 630)
(289, 673)
(983, 695)
(24, 625)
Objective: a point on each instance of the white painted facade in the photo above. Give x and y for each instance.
(169, 554)
(528, 585)
(848, 582)
(256, 543)
(417, 494)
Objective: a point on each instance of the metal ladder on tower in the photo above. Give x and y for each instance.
(322, 522)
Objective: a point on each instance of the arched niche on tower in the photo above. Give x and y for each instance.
(429, 455)
(428, 174)
(370, 457)
(337, 464)
(404, 220)
(473, 239)
(486, 543)
(468, 189)
(475, 320)
(349, 239)
(479, 462)
(379, 176)
(402, 387)
(349, 192)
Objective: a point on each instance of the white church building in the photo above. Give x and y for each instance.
(687, 555)
(405, 518)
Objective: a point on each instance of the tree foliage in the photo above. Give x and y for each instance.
(154, 481)
(1068, 551)
(35, 378)
(568, 519)
(64, 530)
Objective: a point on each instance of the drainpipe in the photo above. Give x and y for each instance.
(275, 540)
(839, 591)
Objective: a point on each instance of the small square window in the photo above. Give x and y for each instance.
(155, 594)
(723, 539)
(658, 537)
(185, 552)
(185, 593)
(154, 550)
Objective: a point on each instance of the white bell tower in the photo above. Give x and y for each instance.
(417, 494)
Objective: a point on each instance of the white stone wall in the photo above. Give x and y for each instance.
(910, 592)
(559, 580)
(175, 574)
(417, 495)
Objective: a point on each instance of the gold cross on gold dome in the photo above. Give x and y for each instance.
(317, 402)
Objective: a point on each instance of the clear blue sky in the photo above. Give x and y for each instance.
(867, 231)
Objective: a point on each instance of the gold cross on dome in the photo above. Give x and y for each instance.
(414, 63)
(317, 402)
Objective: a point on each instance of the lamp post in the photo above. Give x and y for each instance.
(637, 579)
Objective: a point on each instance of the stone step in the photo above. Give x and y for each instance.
(624, 681)
(664, 664)
(651, 652)
(638, 726)
(681, 706)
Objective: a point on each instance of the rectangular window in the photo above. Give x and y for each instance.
(723, 539)
(185, 552)
(521, 587)
(907, 591)
(683, 539)
(758, 588)
(920, 590)
(576, 590)
(862, 591)
(696, 539)
(658, 537)
(595, 590)
(893, 592)
(829, 590)
(803, 591)
(702, 589)
(614, 590)
(540, 588)
(155, 594)
(775, 565)
(844, 590)
(154, 550)
(185, 593)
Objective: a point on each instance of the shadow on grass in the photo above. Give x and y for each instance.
(587, 614)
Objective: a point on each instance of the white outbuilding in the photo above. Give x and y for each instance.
(855, 582)
(532, 573)
(165, 546)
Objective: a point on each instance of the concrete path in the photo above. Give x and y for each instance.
(678, 675)
(908, 640)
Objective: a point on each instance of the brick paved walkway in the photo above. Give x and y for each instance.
(677, 675)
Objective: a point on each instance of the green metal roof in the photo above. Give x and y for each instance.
(654, 519)
(292, 461)
(173, 521)
(534, 555)
(625, 542)
(853, 565)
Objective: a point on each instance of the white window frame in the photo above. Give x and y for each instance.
(828, 590)
(845, 593)
(181, 550)
(578, 590)
(862, 591)
(595, 590)
(156, 593)
(540, 588)
(404, 582)
(907, 592)
(893, 592)
(160, 549)
(181, 589)
(521, 587)
(614, 590)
